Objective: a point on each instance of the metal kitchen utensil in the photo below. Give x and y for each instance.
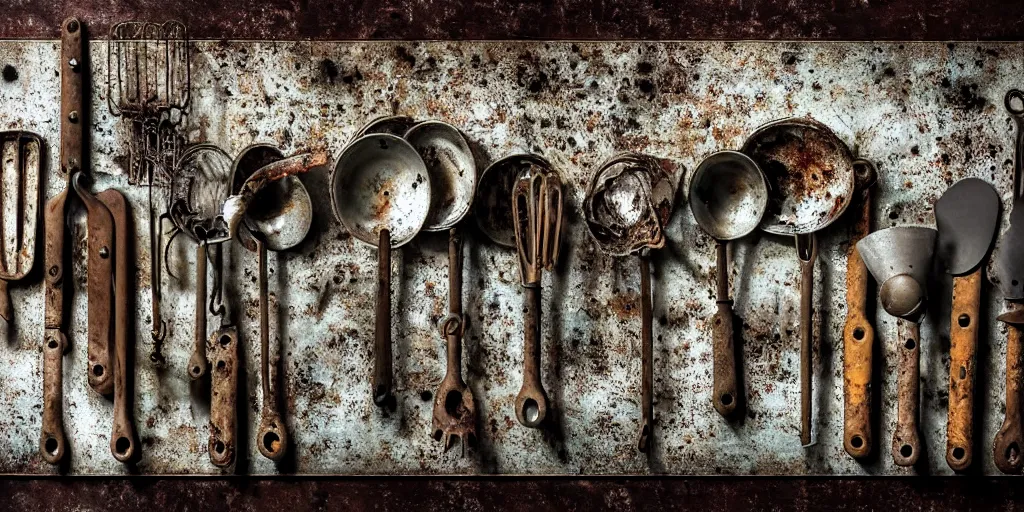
(627, 206)
(123, 443)
(811, 179)
(391, 125)
(149, 86)
(223, 350)
(381, 194)
(279, 218)
(728, 197)
(967, 216)
(452, 168)
(537, 201)
(899, 259)
(1008, 269)
(858, 333)
(493, 202)
(52, 439)
(199, 187)
(21, 154)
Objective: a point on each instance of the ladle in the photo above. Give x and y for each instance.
(728, 197)
(811, 178)
(628, 205)
(900, 258)
(278, 218)
(452, 168)
(381, 194)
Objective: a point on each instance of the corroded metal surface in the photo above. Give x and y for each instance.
(928, 114)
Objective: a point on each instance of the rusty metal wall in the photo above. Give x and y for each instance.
(927, 113)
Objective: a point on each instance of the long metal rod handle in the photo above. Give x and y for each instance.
(531, 402)
(1009, 441)
(453, 333)
(725, 387)
(807, 249)
(382, 365)
(198, 363)
(647, 356)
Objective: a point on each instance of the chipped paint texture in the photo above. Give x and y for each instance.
(927, 114)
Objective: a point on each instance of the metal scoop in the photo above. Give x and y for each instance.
(967, 215)
(900, 259)
(537, 220)
(811, 179)
(278, 218)
(728, 197)
(628, 203)
(452, 170)
(381, 194)
(19, 209)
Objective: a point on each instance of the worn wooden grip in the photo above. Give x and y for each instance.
(1009, 440)
(382, 365)
(963, 336)
(223, 351)
(906, 440)
(531, 402)
(858, 344)
(52, 441)
(725, 360)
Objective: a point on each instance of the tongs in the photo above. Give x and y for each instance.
(537, 218)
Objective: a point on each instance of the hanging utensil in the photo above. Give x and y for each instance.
(858, 333)
(537, 200)
(148, 85)
(967, 216)
(279, 218)
(381, 194)
(452, 169)
(391, 125)
(811, 179)
(52, 440)
(1008, 270)
(627, 206)
(900, 259)
(200, 186)
(493, 202)
(223, 351)
(20, 152)
(728, 198)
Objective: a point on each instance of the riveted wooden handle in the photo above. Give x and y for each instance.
(722, 339)
(51, 440)
(906, 440)
(963, 335)
(858, 346)
(223, 351)
(1010, 439)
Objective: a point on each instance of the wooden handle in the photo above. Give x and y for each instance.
(223, 351)
(963, 335)
(122, 439)
(723, 340)
(531, 402)
(906, 441)
(1009, 440)
(646, 357)
(858, 346)
(382, 370)
(52, 442)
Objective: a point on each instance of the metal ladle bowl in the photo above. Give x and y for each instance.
(493, 202)
(381, 183)
(452, 169)
(628, 204)
(728, 195)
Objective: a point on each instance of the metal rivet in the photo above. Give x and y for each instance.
(104, 252)
(53, 270)
(73, 62)
(73, 116)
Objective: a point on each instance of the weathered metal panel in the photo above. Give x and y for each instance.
(927, 113)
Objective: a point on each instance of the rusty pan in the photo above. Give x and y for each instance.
(627, 206)
(811, 179)
(381, 195)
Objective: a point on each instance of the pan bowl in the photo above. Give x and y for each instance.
(628, 204)
(452, 170)
(493, 202)
(282, 212)
(728, 195)
(381, 183)
(809, 171)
